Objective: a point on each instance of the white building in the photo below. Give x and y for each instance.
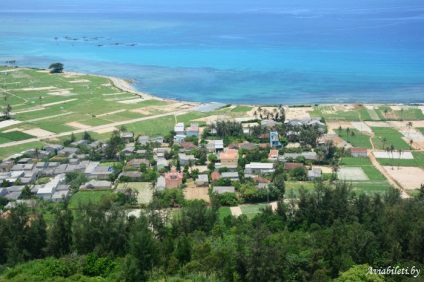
(179, 128)
(259, 168)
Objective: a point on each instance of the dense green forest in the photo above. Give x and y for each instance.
(328, 233)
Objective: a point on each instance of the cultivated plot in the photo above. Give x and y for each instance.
(197, 193)
(395, 155)
(351, 173)
(144, 190)
(407, 177)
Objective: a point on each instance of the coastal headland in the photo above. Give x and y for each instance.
(49, 108)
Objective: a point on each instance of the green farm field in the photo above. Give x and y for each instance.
(84, 197)
(392, 136)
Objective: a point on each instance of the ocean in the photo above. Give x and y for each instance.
(250, 55)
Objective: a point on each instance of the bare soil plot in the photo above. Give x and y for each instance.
(196, 193)
(214, 118)
(236, 211)
(105, 130)
(78, 125)
(407, 177)
(132, 101)
(13, 129)
(395, 155)
(112, 94)
(7, 123)
(60, 102)
(361, 126)
(333, 126)
(298, 113)
(351, 173)
(324, 169)
(64, 92)
(378, 124)
(37, 88)
(413, 134)
(79, 81)
(111, 113)
(373, 115)
(293, 145)
(38, 132)
(154, 109)
(370, 107)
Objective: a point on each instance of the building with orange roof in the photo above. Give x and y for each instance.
(215, 176)
(229, 158)
(173, 179)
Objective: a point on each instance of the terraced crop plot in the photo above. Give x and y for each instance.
(372, 179)
(351, 173)
(417, 160)
(357, 140)
(251, 210)
(14, 136)
(391, 136)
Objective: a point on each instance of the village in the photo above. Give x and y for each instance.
(110, 139)
(237, 162)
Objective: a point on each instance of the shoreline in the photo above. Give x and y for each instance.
(126, 86)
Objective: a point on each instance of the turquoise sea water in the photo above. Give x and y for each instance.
(291, 56)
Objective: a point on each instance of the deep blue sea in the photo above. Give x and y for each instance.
(297, 54)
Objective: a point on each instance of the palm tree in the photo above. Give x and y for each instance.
(352, 134)
(320, 156)
(335, 166)
(409, 125)
(384, 142)
(400, 153)
(385, 113)
(123, 129)
(410, 143)
(340, 130)
(347, 133)
(401, 114)
(392, 150)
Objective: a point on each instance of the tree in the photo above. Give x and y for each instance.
(6, 112)
(59, 241)
(409, 125)
(26, 193)
(56, 68)
(279, 184)
(384, 142)
(400, 153)
(410, 143)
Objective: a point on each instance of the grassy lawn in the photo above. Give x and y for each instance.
(8, 151)
(241, 109)
(330, 114)
(421, 129)
(377, 183)
(370, 187)
(292, 188)
(351, 161)
(417, 161)
(152, 127)
(251, 210)
(84, 197)
(187, 118)
(358, 140)
(223, 212)
(392, 136)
